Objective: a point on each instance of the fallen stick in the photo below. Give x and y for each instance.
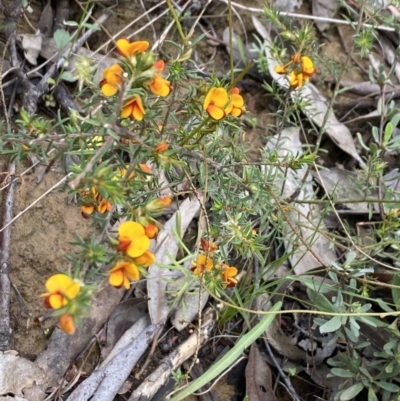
(5, 241)
(160, 376)
(104, 383)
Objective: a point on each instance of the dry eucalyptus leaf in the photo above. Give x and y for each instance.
(123, 317)
(188, 308)
(31, 45)
(344, 184)
(45, 24)
(17, 374)
(166, 248)
(325, 9)
(304, 218)
(314, 105)
(258, 377)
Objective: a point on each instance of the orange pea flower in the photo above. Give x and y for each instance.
(87, 209)
(133, 109)
(132, 239)
(112, 80)
(104, 206)
(122, 273)
(151, 230)
(237, 103)
(228, 276)
(201, 264)
(302, 71)
(217, 103)
(160, 86)
(67, 324)
(61, 289)
(145, 260)
(127, 49)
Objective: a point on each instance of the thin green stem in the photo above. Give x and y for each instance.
(230, 25)
(194, 132)
(178, 23)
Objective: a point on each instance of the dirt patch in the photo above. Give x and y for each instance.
(41, 238)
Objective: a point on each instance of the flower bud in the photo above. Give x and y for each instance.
(148, 60)
(151, 230)
(158, 204)
(162, 147)
(296, 57)
(66, 322)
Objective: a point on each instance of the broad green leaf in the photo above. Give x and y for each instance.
(342, 372)
(68, 76)
(320, 301)
(372, 321)
(351, 392)
(396, 291)
(230, 357)
(62, 38)
(331, 325)
(383, 305)
(371, 395)
(393, 388)
(388, 133)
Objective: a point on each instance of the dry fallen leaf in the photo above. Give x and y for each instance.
(305, 219)
(258, 377)
(17, 374)
(344, 184)
(167, 247)
(31, 45)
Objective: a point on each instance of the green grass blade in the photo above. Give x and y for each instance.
(229, 358)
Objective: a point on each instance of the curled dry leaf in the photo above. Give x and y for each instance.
(31, 45)
(314, 105)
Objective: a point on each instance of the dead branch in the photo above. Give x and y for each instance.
(156, 379)
(5, 241)
(104, 383)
